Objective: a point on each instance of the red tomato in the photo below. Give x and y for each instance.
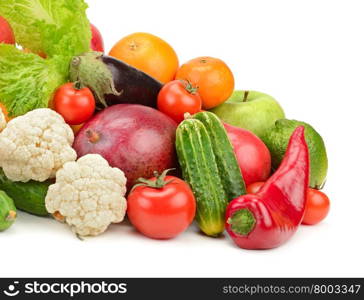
(254, 187)
(74, 105)
(6, 32)
(97, 43)
(178, 97)
(162, 213)
(317, 207)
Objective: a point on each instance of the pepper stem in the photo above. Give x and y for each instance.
(159, 183)
(242, 221)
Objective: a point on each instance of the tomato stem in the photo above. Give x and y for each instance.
(190, 88)
(159, 183)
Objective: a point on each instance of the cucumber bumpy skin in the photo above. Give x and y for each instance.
(7, 211)
(29, 196)
(230, 174)
(199, 169)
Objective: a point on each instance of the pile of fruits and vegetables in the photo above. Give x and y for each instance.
(89, 138)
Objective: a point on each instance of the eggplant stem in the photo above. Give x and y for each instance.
(77, 85)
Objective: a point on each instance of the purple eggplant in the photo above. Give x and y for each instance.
(112, 81)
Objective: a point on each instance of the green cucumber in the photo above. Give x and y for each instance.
(7, 211)
(29, 196)
(230, 174)
(199, 169)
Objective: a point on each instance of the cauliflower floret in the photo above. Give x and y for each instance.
(88, 195)
(2, 120)
(35, 146)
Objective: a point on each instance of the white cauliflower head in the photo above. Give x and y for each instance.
(2, 120)
(35, 146)
(88, 195)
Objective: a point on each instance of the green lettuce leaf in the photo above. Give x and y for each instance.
(27, 81)
(58, 28)
(53, 27)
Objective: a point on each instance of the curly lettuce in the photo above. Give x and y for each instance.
(27, 81)
(53, 27)
(60, 30)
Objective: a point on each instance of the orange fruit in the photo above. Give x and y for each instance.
(212, 76)
(149, 54)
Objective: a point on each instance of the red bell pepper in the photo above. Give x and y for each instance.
(270, 217)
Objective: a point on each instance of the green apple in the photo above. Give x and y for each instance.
(250, 110)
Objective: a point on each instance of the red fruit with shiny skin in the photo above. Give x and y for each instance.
(317, 207)
(253, 155)
(178, 97)
(97, 43)
(134, 138)
(6, 32)
(75, 104)
(162, 213)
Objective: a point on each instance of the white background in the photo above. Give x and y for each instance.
(309, 56)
